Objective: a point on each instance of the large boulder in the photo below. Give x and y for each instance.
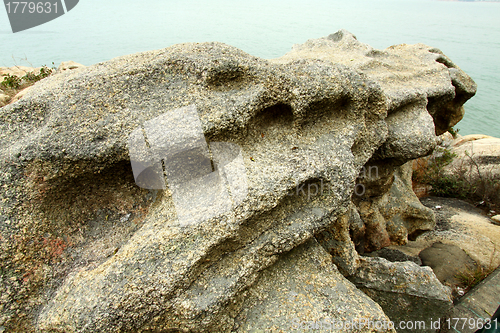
(408, 293)
(260, 155)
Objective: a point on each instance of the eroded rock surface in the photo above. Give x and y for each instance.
(390, 210)
(304, 291)
(306, 124)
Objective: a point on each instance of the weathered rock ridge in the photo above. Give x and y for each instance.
(311, 126)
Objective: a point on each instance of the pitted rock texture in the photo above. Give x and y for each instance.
(303, 291)
(412, 77)
(92, 252)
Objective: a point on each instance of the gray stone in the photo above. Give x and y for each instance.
(405, 291)
(394, 255)
(445, 97)
(388, 214)
(403, 210)
(304, 291)
(446, 260)
(337, 241)
(305, 125)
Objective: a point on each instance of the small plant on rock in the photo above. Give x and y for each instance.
(471, 276)
(432, 170)
(12, 84)
(467, 180)
(453, 132)
(30, 78)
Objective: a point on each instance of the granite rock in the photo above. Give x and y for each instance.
(407, 292)
(390, 210)
(96, 253)
(303, 291)
(69, 65)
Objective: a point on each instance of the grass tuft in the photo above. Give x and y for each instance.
(472, 275)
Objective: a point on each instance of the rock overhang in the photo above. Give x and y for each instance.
(319, 113)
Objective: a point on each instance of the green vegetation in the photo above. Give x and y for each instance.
(432, 173)
(453, 132)
(465, 181)
(471, 276)
(14, 82)
(11, 81)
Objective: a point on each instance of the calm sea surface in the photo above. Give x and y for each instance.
(94, 31)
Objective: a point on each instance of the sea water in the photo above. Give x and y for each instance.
(95, 31)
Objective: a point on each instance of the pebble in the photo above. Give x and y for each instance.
(125, 218)
(496, 218)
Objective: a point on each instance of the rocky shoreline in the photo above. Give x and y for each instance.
(10, 94)
(261, 245)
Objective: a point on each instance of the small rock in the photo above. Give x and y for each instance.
(66, 65)
(125, 218)
(446, 260)
(496, 218)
